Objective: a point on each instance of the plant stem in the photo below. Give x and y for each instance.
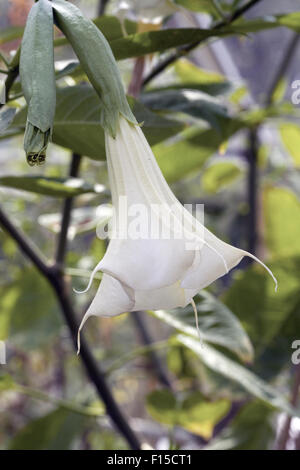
(66, 215)
(182, 51)
(102, 6)
(95, 374)
(285, 432)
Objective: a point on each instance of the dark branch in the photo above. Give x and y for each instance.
(182, 51)
(57, 282)
(24, 244)
(66, 215)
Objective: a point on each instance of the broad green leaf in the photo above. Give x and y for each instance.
(270, 318)
(220, 173)
(77, 122)
(26, 318)
(221, 364)
(191, 150)
(55, 187)
(190, 73)
(290, 135)
(161, 404)
(193, 77)
(193, 413)
(282, 221)
(216, 322)
(6, 117)
(54, 431)
(193, 102)
(200, 417)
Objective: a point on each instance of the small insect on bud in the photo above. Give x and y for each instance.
(38, 81)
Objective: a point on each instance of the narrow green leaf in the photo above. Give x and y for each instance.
(55, 187)
(77, 122)
(54, 431)
(217, 324)
(221, 364)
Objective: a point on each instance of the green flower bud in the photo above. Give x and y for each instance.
(98, 62)
(38, 80)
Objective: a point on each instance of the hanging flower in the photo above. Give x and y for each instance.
(150, 271)
(166, 265)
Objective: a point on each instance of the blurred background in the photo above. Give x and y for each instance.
(223, 122)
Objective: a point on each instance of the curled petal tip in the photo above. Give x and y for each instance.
(78, 342)
(80, 291)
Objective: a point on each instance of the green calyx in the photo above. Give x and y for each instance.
(98, 62)
(38, 80)
(35, 144)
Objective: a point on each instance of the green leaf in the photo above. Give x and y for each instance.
(281, 209)
(193, 413)
(290, 135)
(97, 61)
(26, 318)
(216, 322)
(192, 102)
(55, 187)
(6, 382)
(161, 404)
(196, 146)
(6, 117)
(220, 173)
(140, 44)
(54, 431)
(200, 417)
(251, 429)
(77, 122)
(110, 27)
(37, 76)
(9, 34)
(270, 318)
(221, 364)
(190, 73)
(290, 20)
(205, 6)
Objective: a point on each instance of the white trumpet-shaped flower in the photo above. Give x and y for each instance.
(151, 272)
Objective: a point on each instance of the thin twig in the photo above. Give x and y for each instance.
(25, 244)
(182, 51)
